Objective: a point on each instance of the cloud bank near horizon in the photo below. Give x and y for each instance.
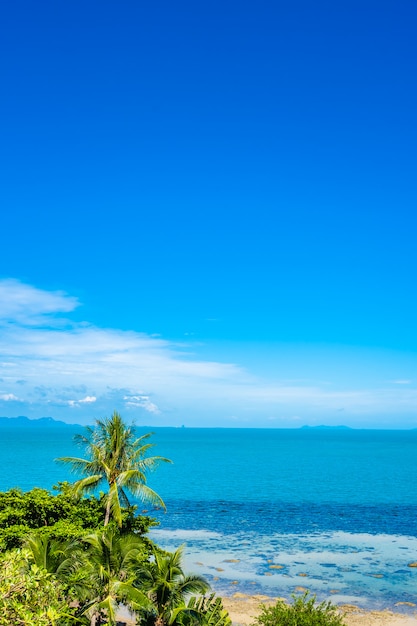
(76, 371)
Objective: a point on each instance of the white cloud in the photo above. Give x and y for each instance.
(86, 400)
(109, 364)
(28, 305)
(143, 402)
(82, 366)
(9, 397)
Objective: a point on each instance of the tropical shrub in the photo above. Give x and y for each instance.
(59, 516)
(304, 611)
(206, 611)
(30, 596)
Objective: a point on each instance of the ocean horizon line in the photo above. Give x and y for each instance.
(48, 420)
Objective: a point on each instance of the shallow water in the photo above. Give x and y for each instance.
(367, 570)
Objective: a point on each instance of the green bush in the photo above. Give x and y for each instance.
(304, 611)
(59, 516)
(206, 611)
(30, 596)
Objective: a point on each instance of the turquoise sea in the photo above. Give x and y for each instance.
(270, 511)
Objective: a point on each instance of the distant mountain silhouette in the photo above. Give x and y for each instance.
(24, 422)
(324, 427)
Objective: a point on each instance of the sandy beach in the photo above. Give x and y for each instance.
(243, 609)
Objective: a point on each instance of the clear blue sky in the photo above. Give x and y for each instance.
(209, 212)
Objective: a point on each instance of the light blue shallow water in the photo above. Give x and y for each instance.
(271, 511)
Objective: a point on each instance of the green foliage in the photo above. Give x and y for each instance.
(304, 611)
(40, 582)
(206, 611)
(168, 588)
(59, 517)
(109, 574)
(30, 596)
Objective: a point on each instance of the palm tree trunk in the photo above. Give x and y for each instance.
(96, 619)
(107, 516)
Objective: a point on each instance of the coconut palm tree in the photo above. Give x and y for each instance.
(118, 458)
(109, 577)
(168, 587)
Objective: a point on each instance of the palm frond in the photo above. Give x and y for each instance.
(130, 477)
(146, 494)
(86, 485)
(193, 583)
(74, 461)
(124, 500)
(85, 439)
(109, 605)
(151, 462)
(138, 441)
(211, 610)
(140, 451)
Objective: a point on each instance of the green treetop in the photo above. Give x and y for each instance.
(117, 458)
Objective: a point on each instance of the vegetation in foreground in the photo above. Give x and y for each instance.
(304, 611)
(68, 559)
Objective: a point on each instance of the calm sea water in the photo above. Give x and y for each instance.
(271, 511)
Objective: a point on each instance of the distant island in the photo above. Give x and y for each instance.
(324, 427)
(23, 422)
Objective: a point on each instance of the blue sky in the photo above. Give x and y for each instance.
(209, 212)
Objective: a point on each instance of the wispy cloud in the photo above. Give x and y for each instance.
(107, 364)
(74, 368)
(28, 305)
(143, 402)
(8, 397)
